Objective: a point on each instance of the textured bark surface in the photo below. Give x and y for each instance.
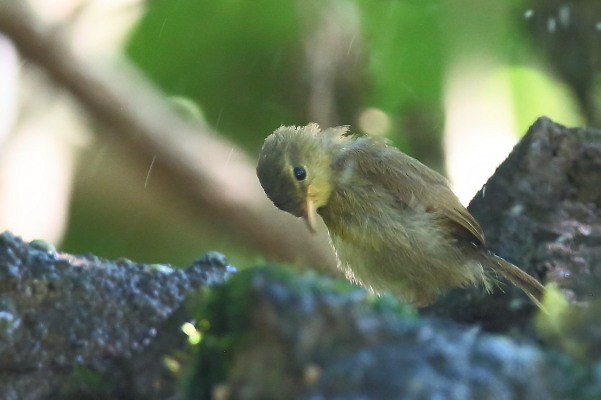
(64, 318)
(545, 209)
(541, 210)
(299, 337)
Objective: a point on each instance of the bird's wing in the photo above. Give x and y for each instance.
(416, 185)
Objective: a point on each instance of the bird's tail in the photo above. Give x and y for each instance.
(519, 278)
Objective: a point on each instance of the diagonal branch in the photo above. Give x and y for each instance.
(200, 164)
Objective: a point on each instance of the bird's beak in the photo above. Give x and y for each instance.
(309, 214)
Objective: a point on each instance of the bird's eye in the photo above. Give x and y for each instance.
(299, 173)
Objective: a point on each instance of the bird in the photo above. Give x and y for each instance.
(394, 223)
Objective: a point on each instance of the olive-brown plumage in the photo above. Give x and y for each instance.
(394, 223)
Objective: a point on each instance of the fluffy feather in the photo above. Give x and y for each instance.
(394, 223)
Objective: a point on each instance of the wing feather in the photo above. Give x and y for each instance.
(415, 185)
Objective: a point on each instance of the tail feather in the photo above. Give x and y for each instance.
(519, 278)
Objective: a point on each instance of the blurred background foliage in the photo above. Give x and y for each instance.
(424, 73)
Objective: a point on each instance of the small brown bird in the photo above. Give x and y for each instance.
(394, 223)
